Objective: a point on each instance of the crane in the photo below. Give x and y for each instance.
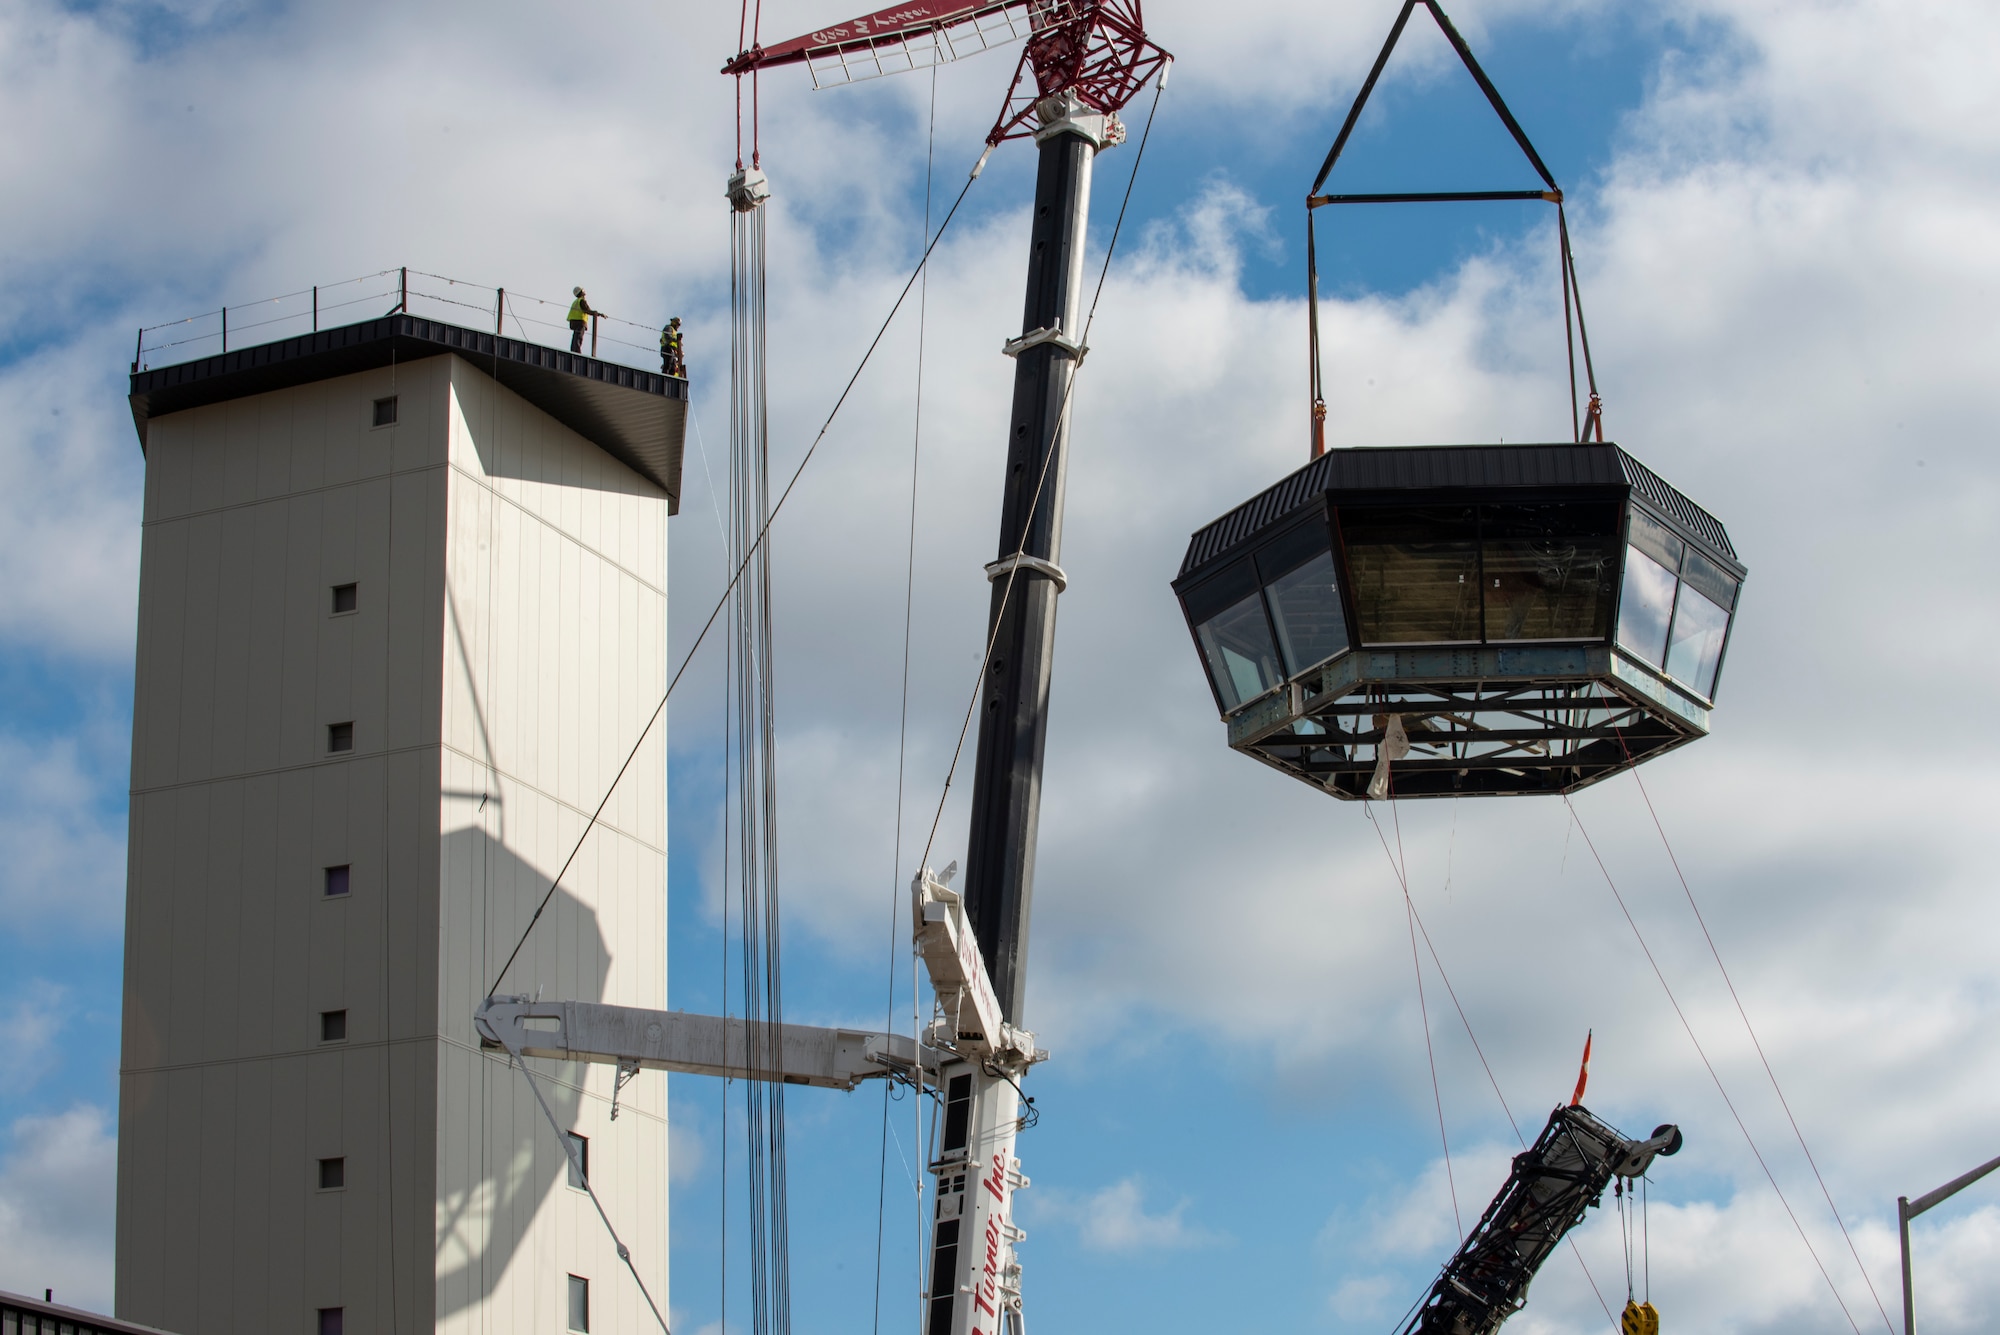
(1082, 63)
(1551, 1184)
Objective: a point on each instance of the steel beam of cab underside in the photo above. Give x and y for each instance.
(1462, 620)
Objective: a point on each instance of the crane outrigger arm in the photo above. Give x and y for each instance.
(971, 1055)
(633, 1038)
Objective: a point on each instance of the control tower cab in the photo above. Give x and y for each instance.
(1466, 620)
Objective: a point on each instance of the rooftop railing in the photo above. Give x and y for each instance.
(389, 292)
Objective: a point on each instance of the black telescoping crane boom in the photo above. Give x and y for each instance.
(1553, 1182)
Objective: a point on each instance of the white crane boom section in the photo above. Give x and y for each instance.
(632, 1037)
(639, 1039)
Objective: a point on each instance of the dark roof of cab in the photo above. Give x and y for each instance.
(1450, 468)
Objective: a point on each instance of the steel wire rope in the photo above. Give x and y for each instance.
(1625, 1222)
(758, 886)
(722, 1194)
(1041, 480)
(569, 1154)
(512, 295)
(1573, 292)
(902, 741)
(1487, 1066)
(1713, 1075)
(283, 296)
(1646, 1236)
(1401, 868)
(1755, 1042)
(735, 577)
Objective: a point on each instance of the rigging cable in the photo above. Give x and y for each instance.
(722, 1196)
(1573, 292)
(758, 883)
(576, 1166)
(1062, 416)
(1401, 868)
(1480, 1051)
(902, 749)
(1756, 1043)
(723, 601)
(1712, 1073)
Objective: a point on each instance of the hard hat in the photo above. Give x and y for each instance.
(675, 320)
(577, 290)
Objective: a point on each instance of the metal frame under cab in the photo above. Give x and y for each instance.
(1484, 713)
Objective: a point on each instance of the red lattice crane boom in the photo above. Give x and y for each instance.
(1096, 49)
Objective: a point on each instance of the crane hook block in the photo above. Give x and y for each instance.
(1639, 1319)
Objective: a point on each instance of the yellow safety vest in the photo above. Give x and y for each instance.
(577, 310)
(670, 340)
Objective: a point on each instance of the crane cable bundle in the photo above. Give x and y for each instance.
(1639, 1316)
(755, 738)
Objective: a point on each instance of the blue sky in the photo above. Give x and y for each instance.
(1784, 216)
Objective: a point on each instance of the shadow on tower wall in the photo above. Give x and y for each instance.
(497, 1158)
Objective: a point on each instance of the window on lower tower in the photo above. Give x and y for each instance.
(579, 1303)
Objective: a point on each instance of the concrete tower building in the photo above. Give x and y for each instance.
(402, 613)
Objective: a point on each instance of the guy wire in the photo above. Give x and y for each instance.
(1713, 1074)
(723, 601)
(1480, 1051)
(903, 732)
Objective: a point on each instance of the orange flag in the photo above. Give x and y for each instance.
(1583, 1075)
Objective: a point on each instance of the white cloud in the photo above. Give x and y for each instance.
(1115, 1220)
(57, 1187)
(64, 856)
(1366, 1298)
(687, 1151)
(69, 502)
(28, 1028)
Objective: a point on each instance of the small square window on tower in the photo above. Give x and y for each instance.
(337, 880)
(344, 598)
(579, 1159)
(332, 1174)
(339, 737)
(385, 411)
(331, 1320)
(579, 1303)
(333, 1026)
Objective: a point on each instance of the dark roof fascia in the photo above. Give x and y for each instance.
(1387, 474)
(61, 1314)
(1655, 494)
(638, 417)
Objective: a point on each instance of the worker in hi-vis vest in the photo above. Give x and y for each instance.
(579, 320)
(671, 361)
